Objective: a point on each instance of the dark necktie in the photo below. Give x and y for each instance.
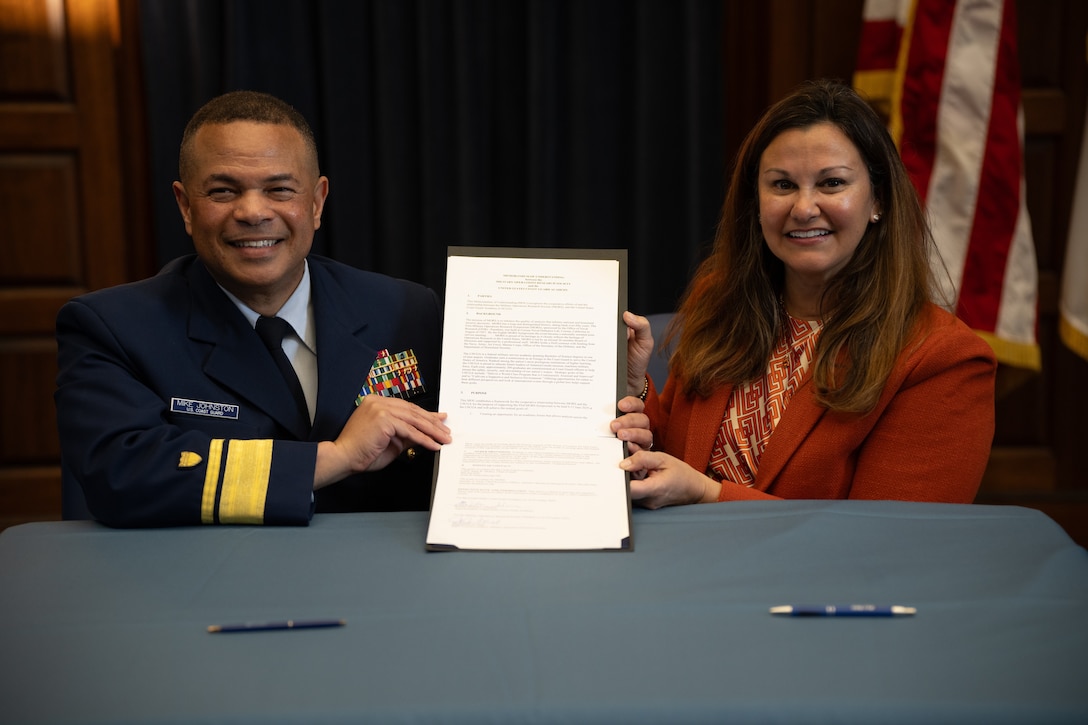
(272, 331)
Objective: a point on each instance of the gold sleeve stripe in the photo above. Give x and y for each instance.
(211, 481)
(245, 482)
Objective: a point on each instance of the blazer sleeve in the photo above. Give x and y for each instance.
(932, 440)
(928, 439)
(137, 468)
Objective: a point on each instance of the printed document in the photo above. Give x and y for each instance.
(533, 363)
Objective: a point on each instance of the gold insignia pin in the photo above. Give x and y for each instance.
(189, 459)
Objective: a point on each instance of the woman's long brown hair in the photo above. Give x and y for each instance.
(730, 319)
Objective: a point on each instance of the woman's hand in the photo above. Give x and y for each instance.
(658, 479)
(640, 345)
(632, 425)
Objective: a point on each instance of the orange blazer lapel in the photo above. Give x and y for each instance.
(801, 415)
(705, 422)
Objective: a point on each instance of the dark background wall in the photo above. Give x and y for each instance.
(524, 123)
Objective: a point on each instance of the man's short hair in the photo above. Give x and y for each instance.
(243, 106)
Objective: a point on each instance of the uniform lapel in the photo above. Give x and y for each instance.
(236, 358)
(343, 359)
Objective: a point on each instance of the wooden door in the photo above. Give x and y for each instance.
(63, 205)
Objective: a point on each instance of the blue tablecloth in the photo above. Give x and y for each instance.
(101, 625)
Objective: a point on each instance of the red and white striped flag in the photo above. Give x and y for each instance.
(947, 74)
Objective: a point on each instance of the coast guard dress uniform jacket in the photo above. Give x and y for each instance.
(172, 412)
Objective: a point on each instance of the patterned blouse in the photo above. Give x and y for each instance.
(756, 407)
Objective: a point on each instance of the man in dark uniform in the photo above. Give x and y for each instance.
(251, 382)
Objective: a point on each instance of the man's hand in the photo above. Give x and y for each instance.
(375, 434)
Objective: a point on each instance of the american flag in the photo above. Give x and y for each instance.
(947, 75)
(1073, 326)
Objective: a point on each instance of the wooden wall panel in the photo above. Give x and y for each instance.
(33, 59)
(28, 433)
(62, 216)
(28, 493)
(39, 209)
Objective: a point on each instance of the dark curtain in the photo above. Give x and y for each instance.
(521, 123)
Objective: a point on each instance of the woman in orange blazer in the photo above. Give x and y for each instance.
(810, 359)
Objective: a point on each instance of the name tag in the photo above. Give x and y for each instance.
(205, 408)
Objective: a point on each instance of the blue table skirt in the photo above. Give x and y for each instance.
(101, 625)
